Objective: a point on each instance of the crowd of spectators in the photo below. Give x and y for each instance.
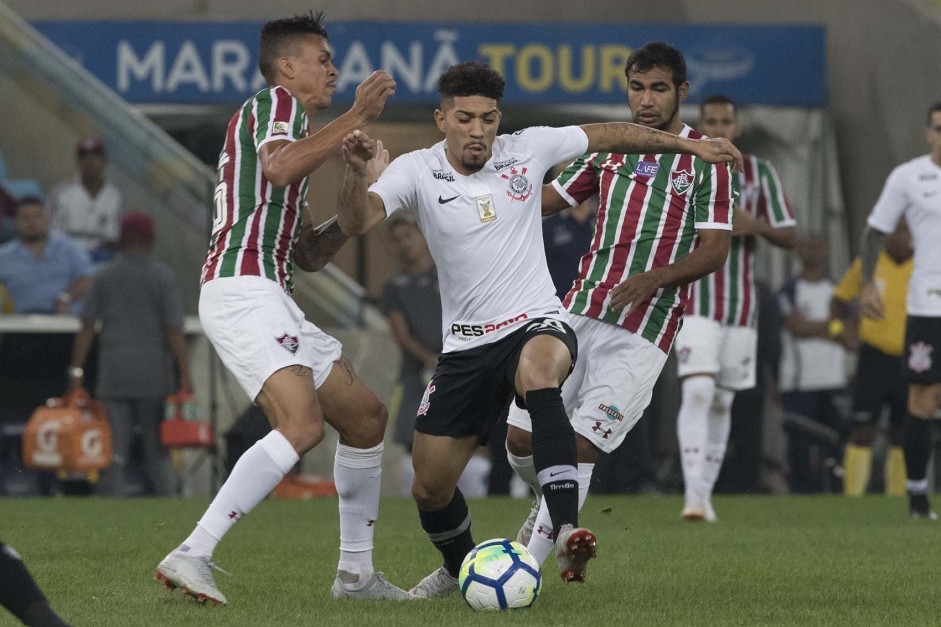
(78, 252)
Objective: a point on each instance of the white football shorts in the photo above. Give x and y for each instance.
(257, 329)
(611, 385)
(704, 346)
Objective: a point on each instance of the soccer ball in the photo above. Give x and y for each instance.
(499, 575)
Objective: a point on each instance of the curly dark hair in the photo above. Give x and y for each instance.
(471, 78)
(657, 54)
(280, 37)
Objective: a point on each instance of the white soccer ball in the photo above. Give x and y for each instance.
(499, 574)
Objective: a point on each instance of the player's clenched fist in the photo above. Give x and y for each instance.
(719, 150)
(371, 95)
(358, 149)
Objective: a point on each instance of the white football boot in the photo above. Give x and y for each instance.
(440, 583)
(192, 575)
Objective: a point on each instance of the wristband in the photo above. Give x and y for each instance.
(836, 327)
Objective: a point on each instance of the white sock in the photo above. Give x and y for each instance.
(691, 429)
(254, 476)
(717, 438)
(584, 482)
(358, 477)
(542, 542)
(526, 470)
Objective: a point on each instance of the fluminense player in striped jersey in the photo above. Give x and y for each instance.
(293, 370)
(477, 197)
(664, 220)
(716, 351)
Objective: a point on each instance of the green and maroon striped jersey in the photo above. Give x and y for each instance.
(728, 294)
(255, 224)
(649, 208)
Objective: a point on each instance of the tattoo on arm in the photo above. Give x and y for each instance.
(317, 246)
(873, 243)
(626, 137)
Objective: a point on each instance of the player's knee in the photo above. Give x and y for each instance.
(427, 498)
(922, 405)
(519, 442)
(369, 429)
(302, 434)
(537, 377)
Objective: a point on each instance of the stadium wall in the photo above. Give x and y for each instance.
(883, 54)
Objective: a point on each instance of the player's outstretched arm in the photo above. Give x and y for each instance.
(358, 211)
(552, 201)
(286, 162)
(318, 245)
(629, 138)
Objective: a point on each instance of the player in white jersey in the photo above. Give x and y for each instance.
(716, 351)
(477, 197)
(285, 364)
(662, 223)
(913, 190)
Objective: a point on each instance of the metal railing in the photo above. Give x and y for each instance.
(156, 174)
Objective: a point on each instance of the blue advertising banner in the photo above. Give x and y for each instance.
(163, 62)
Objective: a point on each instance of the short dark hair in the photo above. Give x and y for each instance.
(279, 37)
(471, 78)
(935, 108)
(718, 99)
(27, 200)
(657, 54)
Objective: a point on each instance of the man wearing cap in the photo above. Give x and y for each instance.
(137, 302)
(87, 207)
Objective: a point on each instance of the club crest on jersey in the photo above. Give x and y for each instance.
(288, 342)
(520, 187)
(919, 357)
(485, 208)
(681, 180)
(426, 399)
(648, 169)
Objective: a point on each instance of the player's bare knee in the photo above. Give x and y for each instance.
(303, 434)
(367, 428)
(533, 376)
(429, 499)
(519, 442)
(922, 406)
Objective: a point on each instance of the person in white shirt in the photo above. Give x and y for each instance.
(812, 372)
(478, 200)
(88, 206)
(913, 190)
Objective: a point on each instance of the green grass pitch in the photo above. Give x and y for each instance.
(826, 560)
